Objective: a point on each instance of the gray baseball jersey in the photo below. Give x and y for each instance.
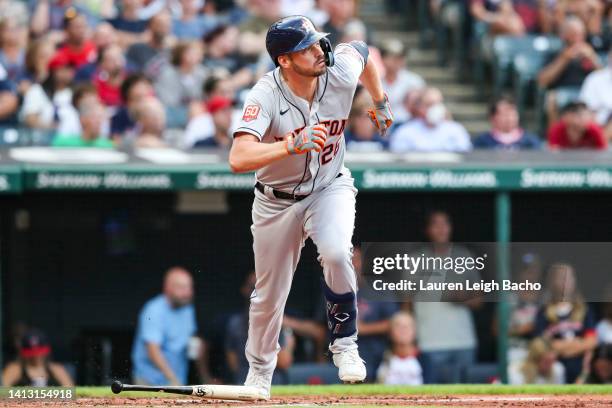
(272, 111)
(327, 216)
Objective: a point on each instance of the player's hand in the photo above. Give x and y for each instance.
(310, 138)
(382, 116)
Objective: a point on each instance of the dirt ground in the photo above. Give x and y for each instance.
(560, 401)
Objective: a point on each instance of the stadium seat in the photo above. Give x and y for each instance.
(505, 50)
(313, 373)
(526, 68)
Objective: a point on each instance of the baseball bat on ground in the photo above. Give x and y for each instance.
(212, 391)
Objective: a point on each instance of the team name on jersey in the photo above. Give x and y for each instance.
(335, 127)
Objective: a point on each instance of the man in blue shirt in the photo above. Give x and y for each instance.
(165, 326)
(506, 132)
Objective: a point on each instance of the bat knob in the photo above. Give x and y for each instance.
(116, 387)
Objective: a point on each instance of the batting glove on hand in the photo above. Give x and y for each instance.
(310, 138)
(382, 116)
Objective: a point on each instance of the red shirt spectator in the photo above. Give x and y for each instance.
(576, 130)
(109, 75)
(78, 56)
(592, 138)
(77, 49)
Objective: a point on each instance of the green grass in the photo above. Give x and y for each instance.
(375, 389)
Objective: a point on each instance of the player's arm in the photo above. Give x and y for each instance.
(248, 154)
(370, 79)
(381, 115)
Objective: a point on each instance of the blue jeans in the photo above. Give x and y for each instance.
(446, 366)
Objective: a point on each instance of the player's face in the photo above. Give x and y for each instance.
(309, 62)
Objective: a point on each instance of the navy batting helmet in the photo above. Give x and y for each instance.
(296, 33)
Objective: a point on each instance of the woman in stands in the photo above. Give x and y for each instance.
(566, 321)
(33, 367)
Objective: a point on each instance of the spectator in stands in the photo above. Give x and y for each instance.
(109, 74)
(33, 368)
(576, 130)
(446, 333)
(166, 324)
(77, 48)
(44, 103)
(310, 331)
(596, 92)
(539, 367)
(104, 35)
(37, 58)
(180, 83)
(92, 117)
(397, 81)
(566, 320)
(16, 11)
(591, 14)
(356, 30)
(134, 89)
(432, 130)
(604, 327)
(48, 16)
(200, 125)
(221, 56)
(262, 13)
(192, 25)
(600, 371)
(130, 27)
(400, 365)
(565, 71)
(373, 322)
(69, 122)
(150, 56)
(151, 123)
(12, 48)
(500, 16)
(236, 338)
(524, 306)
(341, 13)
(220, 110)
(218, 85)
(506, 132)
(9, 101)
(362, 135)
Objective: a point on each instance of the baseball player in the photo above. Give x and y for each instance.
(291, 134)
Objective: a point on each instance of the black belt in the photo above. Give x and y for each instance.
(283, 195)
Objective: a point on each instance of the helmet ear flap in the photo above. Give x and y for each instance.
(327, 51)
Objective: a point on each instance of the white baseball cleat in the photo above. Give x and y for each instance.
(260, 381)
(351, 368)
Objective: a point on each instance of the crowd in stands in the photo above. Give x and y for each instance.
(174, 73)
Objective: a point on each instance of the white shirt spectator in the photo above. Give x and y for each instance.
(37, 102)
(201, 127)
(400, 371)
(417, 136)
(405, 83)
(516, 376)
(604, 332)
(596, 92)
